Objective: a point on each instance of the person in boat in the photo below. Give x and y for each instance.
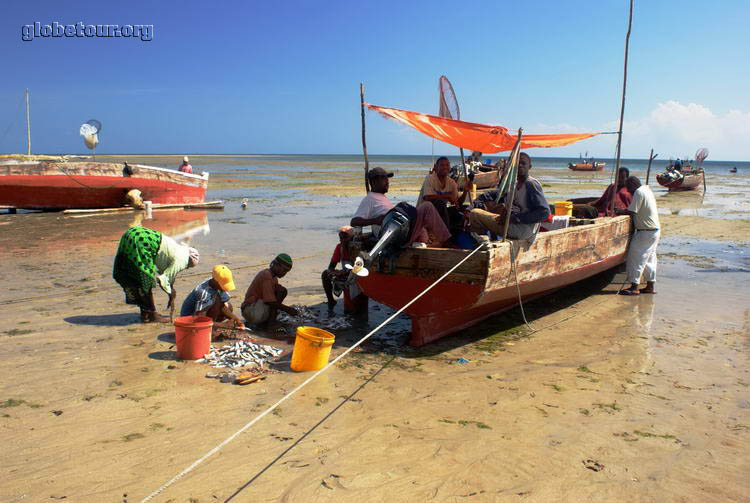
(641, 261)
(441, 191)
(145, 258)
(617, 191)
(678, 165)
(211, 298)
(530, 208)
(185, 167)
(374, 206)
(335, 281)
(264, 297)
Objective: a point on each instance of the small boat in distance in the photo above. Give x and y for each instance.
(733, 170)
(585, 164)
(680, 175)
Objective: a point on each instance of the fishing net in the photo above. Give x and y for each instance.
(700, 155)
(448, 102)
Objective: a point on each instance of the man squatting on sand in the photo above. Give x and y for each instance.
(264, 297)
(375, 205)
(211, 299)
(530, 208)
(642, 252)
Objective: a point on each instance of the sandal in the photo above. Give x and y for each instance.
(629, 292)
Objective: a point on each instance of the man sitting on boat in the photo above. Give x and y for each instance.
(642, 251)
(185, 167)
(265, 297)
(530, 208)
(146, 257)
(375, 205)
(211, 299)
(620, 194)
(441, 191)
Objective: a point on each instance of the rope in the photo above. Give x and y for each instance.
(518, 288)
(308, 380)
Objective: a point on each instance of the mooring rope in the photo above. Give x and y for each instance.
(308, 380)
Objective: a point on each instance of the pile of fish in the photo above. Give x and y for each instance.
(307, 316)
(239, 354)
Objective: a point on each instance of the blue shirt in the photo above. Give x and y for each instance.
(202, 297)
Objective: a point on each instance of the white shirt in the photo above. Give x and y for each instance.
(644, 207)
(373, 205)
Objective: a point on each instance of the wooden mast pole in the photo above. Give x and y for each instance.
(28, 124)
(622, 107)
(364, 141)
(651, 157)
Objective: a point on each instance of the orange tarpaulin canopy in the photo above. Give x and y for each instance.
(473, 136)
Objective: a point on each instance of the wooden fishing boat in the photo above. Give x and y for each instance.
(61, 184)
(677, 181)
(587, 166)
(485, 285)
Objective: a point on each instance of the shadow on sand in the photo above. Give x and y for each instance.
(105, 320)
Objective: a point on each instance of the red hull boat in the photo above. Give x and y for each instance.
(485, 285)
(58, 185)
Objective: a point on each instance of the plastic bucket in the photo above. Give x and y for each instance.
(193, 336)
(312, 348)
(563, 208)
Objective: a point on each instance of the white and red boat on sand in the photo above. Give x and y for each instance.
(57, 183)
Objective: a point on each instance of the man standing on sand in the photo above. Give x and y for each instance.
(211, 298)
(375, 205)
(264, 297)
(642, 252)
(530, 207)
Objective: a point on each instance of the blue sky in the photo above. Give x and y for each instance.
(257, 77)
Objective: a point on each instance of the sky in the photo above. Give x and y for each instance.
(258, 77)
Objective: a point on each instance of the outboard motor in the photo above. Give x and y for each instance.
(395, 231)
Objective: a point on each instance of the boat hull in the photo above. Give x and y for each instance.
(597, 166)
(66, 185)
(687, 182)
(485, 285)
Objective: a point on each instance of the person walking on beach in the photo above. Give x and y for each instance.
(265, 296)
(144, 258)
(211, 299)
(185, 167)
(641, 261)
(530, 207)
(375, 205)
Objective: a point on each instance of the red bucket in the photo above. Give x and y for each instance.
(193, 336)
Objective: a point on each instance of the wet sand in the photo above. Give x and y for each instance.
(603, 398)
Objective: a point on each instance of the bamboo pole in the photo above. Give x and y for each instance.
(364, 141)
(28, 124)
(513, 159)
(622, 107)
(651, 157)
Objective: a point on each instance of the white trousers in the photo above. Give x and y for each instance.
(642, 256)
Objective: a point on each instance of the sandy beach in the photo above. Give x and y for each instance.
(599, 398)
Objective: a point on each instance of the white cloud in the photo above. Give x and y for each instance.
(675, 130)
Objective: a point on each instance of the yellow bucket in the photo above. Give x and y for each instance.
(312, 348)
(563, 208)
